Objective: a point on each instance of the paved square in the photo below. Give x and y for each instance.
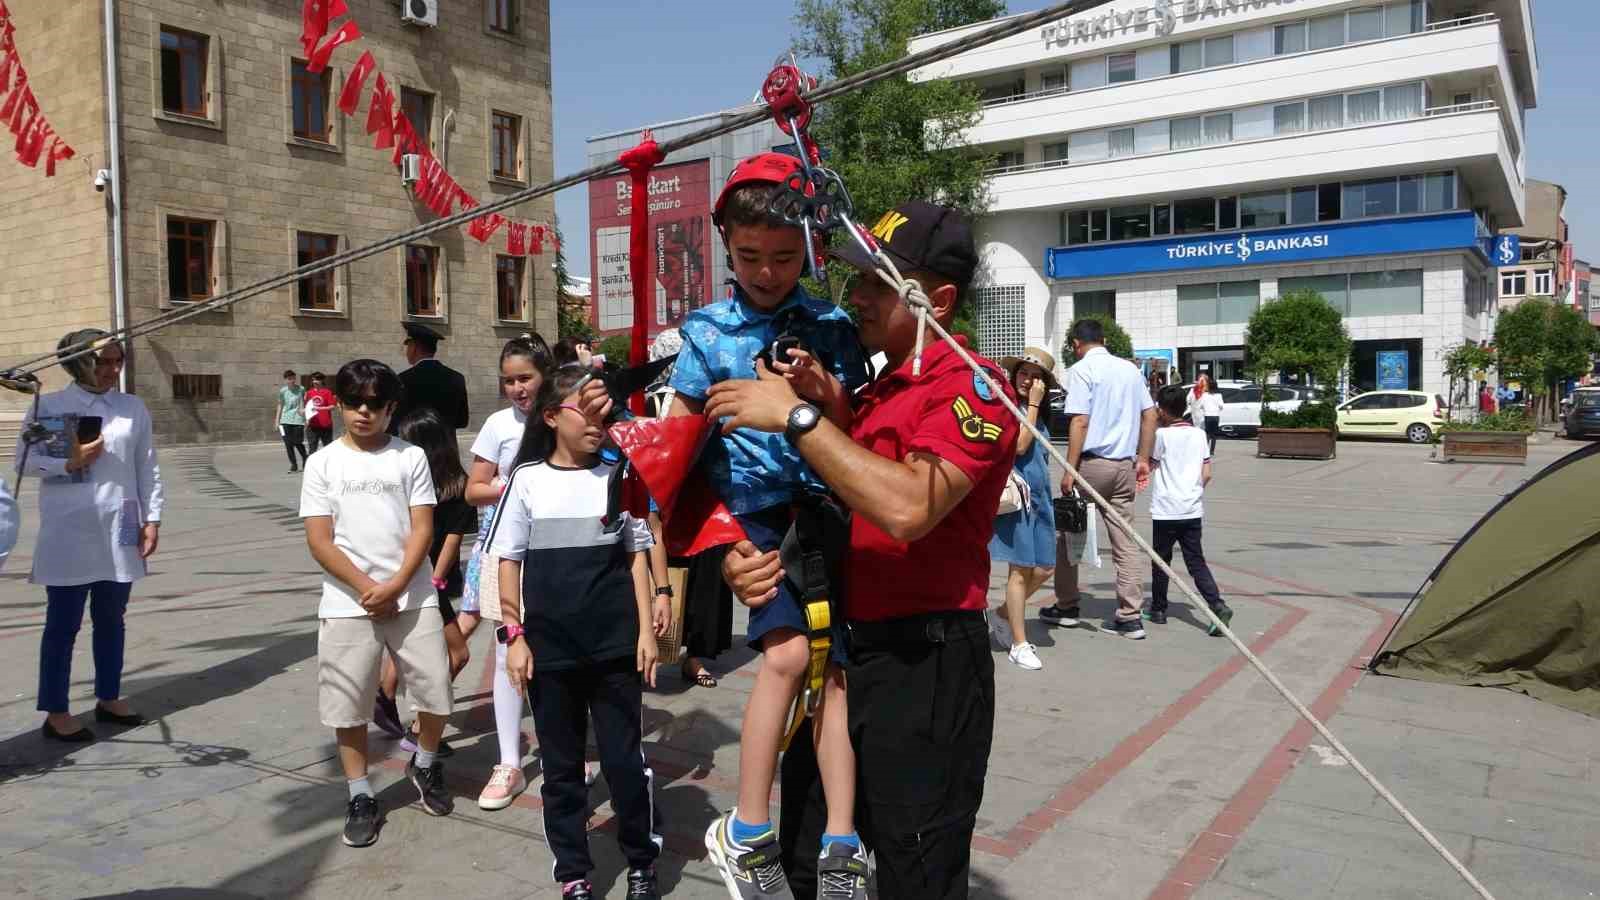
(1161, 768)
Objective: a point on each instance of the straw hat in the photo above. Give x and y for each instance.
(1038, 357)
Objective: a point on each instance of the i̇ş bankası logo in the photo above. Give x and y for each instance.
(1243, 247)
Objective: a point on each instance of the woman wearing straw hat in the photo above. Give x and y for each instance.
(1026, 538)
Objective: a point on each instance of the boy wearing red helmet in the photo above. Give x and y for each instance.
(759, 476)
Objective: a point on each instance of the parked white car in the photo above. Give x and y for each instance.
(1241, 404)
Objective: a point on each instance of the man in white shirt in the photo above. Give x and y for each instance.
(1108, 443)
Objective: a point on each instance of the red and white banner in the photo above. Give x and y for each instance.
(20, 112)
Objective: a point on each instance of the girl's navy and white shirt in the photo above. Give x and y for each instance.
(577, 585)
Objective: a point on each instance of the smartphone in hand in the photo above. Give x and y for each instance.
(88, 429)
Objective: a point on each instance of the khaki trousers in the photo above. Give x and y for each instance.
(1114, 480)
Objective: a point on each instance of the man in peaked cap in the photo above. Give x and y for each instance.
(429, 383)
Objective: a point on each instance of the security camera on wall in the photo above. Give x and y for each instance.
(102, 178)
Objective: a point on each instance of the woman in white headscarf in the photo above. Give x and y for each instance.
(99, 520)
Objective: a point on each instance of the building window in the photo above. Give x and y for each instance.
(196, 387)
(1359, 294)
(316, 292)
(1094, 303)
(1325, 31)
(1290, 38)
(1163, 218)
(1333, 289)
(1402, 101)
(1364, 107)
(1184, 133)
(1228, 302)
(507, 150)
(1008, 159)
(1219, 51)
(422, 277)
(1195, 216)
(1514, 283)
(508, 278)
(502, 16)
(418, 109)
(1010, 89)
(1365, 24)
(1218, 128)
(1263, 210)
(1119, 142)
(310, 94)
(1404, 17)
(184, 60)
(1130, 223)
(1002, 317)
(1056, 152)
(1053, 81)
(1326, 112)
(1121, 67)
(1187, 56)
(1227, 213)
(1303, 204)
(1086, 226)
(189, 259)
(1542, 283)
(1289, 118)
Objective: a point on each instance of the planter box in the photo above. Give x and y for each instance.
(1297, 443)
(1484, 446)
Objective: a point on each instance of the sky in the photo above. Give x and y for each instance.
(623, 65)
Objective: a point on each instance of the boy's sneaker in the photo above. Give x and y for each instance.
(505, 783)
(842, 873)
(409, 745)
(386, 716)
(361, 821)
(1156, 616)
(577, 890)
(1225, 613)
(1024, 656)
(642, 885)
(429, 782)
(750, 871)
(1128, 628)
(1061, 617)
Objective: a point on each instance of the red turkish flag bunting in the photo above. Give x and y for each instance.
(536, 242)
(17, 92)
(58, 151)
(8, 40)
(517, 239)
(380, 114)
(350, 97)
(348, 33)
(6, 65)
(484, 227)
(22, 108)
(314, 19)
(405, 137)
(37, 139)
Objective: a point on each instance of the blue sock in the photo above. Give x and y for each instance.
(744, 832)
(852, 839)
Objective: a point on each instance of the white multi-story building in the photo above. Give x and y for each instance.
(1176, 163)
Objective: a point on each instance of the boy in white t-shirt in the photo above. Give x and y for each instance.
(367, 501)
(1181, 468)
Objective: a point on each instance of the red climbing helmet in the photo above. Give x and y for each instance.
(763, 168)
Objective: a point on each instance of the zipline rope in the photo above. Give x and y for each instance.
(912, 292)
(736, 120)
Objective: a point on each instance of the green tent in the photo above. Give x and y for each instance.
(1516, 603)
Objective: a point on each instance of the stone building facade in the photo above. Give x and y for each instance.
(237, 165)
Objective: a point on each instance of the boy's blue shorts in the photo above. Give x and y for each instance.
(766, 529)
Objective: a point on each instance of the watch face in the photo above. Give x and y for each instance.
(803, 416)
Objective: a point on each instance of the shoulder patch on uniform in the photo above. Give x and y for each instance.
(974, 427)
(981, 388)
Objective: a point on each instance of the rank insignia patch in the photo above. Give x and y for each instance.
(973, 426)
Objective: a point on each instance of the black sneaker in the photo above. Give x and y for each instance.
(642, 884)
(386, 716)
(1128, 628)
(1060, 617)
(361, 822)
(577, 890)
(842, 873)
(429, 782)
(1225, 614)
(1156, 616)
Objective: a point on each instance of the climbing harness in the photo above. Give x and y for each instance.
(816, 542)
(812, 199)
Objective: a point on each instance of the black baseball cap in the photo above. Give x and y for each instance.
(920, 237)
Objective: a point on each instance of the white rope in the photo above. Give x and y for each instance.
(914, 296)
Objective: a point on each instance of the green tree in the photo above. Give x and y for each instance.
(572, 319)
(1117, 341)
(615, 348)
(895, 140)
(1542, 343)
(1299, 334)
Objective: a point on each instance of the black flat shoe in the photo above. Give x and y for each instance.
(81, 736)
(131, 720)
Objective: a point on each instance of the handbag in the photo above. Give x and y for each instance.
(1072, 513)
(1014, 497)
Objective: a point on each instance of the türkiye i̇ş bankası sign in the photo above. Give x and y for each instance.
(680, 246)
(1162, 16)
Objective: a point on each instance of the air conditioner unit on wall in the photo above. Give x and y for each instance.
(410, 168)
(420, 12)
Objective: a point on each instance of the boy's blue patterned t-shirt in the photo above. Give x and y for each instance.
(753, 470)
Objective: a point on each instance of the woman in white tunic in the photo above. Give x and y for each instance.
(99, 520)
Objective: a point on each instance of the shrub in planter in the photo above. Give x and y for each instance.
(1317, 414)
(1511, 420)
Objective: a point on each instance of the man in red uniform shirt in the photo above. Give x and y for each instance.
(921, 468)
(320, 423)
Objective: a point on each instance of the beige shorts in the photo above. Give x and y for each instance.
(349, 652)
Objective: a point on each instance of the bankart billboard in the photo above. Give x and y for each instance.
(680, 246)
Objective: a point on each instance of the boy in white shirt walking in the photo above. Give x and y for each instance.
(367, 501)
(1181, 468)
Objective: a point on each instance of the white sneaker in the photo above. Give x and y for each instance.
(1023, 657)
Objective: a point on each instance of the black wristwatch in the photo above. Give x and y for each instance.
(802, 418)
(664, 591)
